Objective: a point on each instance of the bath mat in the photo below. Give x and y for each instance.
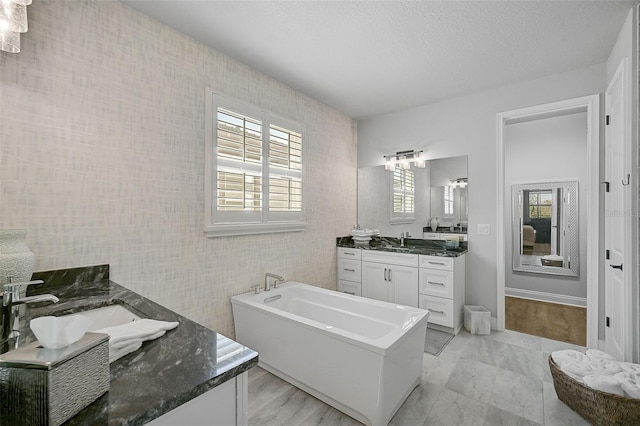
(435, 341)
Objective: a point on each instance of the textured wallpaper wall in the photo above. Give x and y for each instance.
(102, 159)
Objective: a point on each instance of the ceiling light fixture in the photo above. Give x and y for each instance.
(458, 183)
(13, 21)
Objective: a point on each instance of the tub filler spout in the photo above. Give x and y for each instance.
(267, 282)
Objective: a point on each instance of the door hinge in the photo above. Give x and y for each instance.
(608, 322)
(606, 186)
(607, 254)
(606, 120)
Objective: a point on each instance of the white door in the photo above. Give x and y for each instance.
(374, 281)
(617, 309)
(403, 285)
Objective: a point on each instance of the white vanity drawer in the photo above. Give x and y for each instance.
(435, 282)
(349, 253)
(350, 287)
(440, 310)
(350, 270)
(436, 262)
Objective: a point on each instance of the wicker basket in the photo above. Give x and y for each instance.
(598, 408)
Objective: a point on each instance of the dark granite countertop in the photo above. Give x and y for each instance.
(411, 246)
(162, 375)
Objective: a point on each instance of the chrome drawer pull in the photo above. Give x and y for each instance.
(350, 254)
(349, 292)
(350, 270)
(434, 283)
(436, 263)
(436, 312)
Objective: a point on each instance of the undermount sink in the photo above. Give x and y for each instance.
(107, 316)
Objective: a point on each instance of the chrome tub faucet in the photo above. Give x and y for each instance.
(267, 282)
(11, 303)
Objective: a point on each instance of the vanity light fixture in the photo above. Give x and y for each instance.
(458, 183)
(403, 160)
(13, 21)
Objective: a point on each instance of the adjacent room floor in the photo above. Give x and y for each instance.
(551, 320)
(499, 379)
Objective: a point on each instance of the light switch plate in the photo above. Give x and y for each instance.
(484, 229)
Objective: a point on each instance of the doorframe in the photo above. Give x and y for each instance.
(592, 105)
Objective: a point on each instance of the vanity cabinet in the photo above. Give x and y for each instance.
(441, 290)
(350, 271)
(390, 277)
(224, 405)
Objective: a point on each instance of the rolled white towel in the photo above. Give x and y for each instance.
(559, 357)
(597, 354)
(630, 383)
(578, 370)
(604, 382)
(630, 367)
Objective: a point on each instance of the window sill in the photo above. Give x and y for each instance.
(402, 221)
(231, 229)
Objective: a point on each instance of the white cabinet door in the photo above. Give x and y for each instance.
(403, 285)
(224, 405)
(374, 281)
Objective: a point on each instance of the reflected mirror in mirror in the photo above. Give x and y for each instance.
(429, 199)
(545, 228)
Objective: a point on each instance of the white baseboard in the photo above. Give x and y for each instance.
(562, 299)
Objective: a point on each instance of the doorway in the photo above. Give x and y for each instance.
(588, 107)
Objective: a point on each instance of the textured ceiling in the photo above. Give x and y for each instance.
(372, 57)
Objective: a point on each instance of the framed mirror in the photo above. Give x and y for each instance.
(545, 228)
(377, 201)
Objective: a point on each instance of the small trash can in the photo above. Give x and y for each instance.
(477, 319)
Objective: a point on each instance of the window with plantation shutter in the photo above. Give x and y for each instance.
(448, 201)
(402, 196)
(254, 170)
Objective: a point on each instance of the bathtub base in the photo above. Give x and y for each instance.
(334, 403)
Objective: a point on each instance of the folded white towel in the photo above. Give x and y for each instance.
(604, 383)
(597, 354)
(117, 353)
(140, 329)
(125, 343)
(126, 338)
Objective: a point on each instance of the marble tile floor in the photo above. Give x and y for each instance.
(497, 379)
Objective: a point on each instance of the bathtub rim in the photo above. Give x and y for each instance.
(383, 345)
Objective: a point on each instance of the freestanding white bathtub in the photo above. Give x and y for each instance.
(359, 355)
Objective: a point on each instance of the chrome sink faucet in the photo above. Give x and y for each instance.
(11, 303)
(267, 281)
(402, 239)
